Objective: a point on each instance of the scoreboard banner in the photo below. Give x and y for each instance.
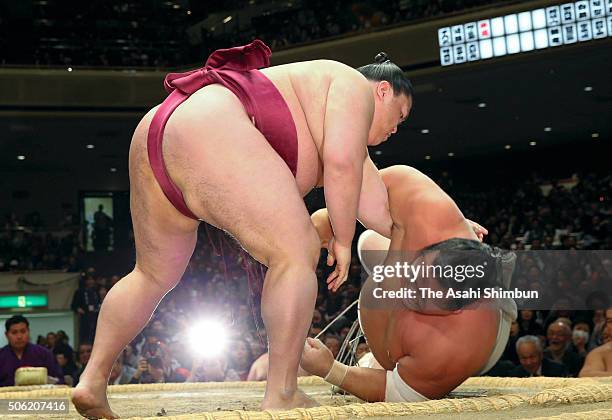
(515, 33)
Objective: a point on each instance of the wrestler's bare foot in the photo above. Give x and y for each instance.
(287, 401)
(89, 398)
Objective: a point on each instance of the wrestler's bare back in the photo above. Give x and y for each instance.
(439, 352)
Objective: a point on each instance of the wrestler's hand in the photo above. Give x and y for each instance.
(341, 255)
(478, 230)
(317, 359)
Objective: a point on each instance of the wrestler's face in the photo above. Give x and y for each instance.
(390, 111)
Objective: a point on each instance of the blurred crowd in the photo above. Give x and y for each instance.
(537, 214)
(28, 243)
(154, 33)
(319, 19)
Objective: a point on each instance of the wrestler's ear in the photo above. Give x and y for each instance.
(383, 88)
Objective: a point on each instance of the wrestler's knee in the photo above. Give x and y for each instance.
(161, 281)
(301, 250)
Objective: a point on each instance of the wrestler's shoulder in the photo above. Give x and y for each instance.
(400, 173)
(603, 350)
(327, 68)
(399, 170)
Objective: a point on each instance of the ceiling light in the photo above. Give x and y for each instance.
(588, 88)
(227, 19)
(90, 146)
(21, 157)
(176, 6)
(113, 169)
(425, 131)
(595, 135)
(69, 68)
(548, 129)
(451, 154)
(188, 12)
(427, 157)
(532, 143)
(507, 147)
(482, 105)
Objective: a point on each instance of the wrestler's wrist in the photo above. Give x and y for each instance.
(343, 244)
(337, 373)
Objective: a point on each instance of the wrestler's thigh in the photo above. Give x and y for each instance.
(164, 238)
(241, 185)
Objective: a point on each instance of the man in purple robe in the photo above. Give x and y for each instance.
(19, 352)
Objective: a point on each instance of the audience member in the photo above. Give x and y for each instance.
(532, 360)
(65, 359)
(559, 335)
(19, 352)
(86, 304)
(83, 355)
(121, 374)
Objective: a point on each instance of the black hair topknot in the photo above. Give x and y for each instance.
(382, 58)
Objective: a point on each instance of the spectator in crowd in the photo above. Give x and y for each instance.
(65, 359)
(86, 304)
(362, 348)
(532, 360)
(332, 342)
(580, 338)
(101, 234)
(559, 336)
(240, 358)
(599, 361)
(121, 373)
(212, 369)
(63, 341)
(317, 319)
(19, 352)
(51, 341)
(150, 371)
(83, 355)
(528, 324)
(102, 291)
(130, 358)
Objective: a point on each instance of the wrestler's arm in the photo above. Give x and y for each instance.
(348, 115)
(373, 210)
(366, 383)
(594, 365)
(320, 220)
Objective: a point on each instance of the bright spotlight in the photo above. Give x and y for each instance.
(208, 338)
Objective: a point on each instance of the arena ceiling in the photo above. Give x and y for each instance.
(566, 89)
